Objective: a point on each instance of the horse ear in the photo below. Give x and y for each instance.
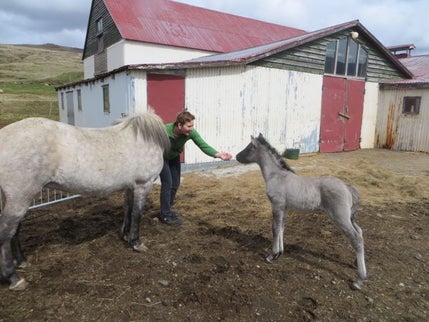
(260, 135)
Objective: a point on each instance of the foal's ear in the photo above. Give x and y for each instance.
(260, 136)
(253, 140)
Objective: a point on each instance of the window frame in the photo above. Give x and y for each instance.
(79, 100)
(106, 99)
(62, 100)
(407, 105)
(343, 53)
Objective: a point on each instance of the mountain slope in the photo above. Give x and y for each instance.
(28, 74)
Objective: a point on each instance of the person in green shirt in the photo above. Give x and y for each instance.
(181, 131)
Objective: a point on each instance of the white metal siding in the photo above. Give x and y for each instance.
(401, 131)
(369, 117)
(232, 103)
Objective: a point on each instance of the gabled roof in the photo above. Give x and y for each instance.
(249, 55)
(177, 24)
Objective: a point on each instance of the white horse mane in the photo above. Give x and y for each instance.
(143, 124)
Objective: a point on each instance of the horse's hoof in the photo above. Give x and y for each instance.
(23, 264)
(19, 286)
(270, 259)
(140, 248)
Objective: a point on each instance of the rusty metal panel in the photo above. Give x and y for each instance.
(398, 131)
(232, 103)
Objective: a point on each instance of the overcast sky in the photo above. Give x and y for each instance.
(64, 22)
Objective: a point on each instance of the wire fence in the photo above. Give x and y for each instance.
(46, 197)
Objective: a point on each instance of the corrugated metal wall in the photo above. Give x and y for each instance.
(369, 117)
(232, 103)
(398, 131)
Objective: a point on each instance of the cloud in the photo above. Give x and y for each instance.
(64, 22)
(392, 22)
(61, 22)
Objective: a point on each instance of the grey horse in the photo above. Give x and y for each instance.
(288, 191)
(37, 153)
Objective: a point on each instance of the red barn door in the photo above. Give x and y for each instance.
(342, 108)
(166, 95)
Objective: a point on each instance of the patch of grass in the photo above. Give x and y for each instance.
(28, 87)
(28, 76)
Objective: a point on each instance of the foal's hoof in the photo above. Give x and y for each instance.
(357, 285)
(271, 257)
(140, 248)
(20, 285)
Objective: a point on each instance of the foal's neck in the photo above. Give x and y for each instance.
(270, 165)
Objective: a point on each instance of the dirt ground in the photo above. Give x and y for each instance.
(212, 267)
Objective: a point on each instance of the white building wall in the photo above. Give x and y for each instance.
(369, 117)
(121, 97)
(127, 52)
(232, 103)
(88, 67)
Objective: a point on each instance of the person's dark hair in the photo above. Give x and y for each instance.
(184, 117)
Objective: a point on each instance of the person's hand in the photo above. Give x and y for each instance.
(223, 156)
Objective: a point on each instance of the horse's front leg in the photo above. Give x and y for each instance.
(139, 194)
(278, 230)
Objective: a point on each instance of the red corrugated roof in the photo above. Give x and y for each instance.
(177, 24)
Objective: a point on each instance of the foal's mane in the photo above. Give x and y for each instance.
(149, 126)
(281, 162)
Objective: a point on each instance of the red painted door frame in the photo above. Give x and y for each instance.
(342, 108)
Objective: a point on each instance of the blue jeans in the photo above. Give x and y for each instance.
(170, 182)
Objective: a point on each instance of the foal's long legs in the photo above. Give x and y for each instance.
(344, 220)
(277, 227)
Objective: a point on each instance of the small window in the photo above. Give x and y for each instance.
(331, 51)
(411, 105)
(106, 100)
(79, 100)
(62, 100)
(346, 57)
(100, 36)
(99, 26)
(362, 62)
(352, 56)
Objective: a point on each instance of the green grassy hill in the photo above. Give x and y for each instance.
(28, 76)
